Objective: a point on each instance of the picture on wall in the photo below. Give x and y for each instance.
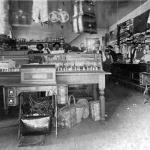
(90, 42)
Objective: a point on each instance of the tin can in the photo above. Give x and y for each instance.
(62, 95)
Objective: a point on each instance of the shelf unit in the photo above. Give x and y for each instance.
(20, 25)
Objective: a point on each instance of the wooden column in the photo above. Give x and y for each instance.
(102, 96)
(94, 88)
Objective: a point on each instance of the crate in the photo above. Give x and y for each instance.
(144, 78)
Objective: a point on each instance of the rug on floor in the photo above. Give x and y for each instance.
(32, 140)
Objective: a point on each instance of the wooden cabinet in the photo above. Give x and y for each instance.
(129, 72)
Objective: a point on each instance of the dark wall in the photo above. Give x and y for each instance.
(110, 11)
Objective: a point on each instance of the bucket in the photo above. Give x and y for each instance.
(62, 95)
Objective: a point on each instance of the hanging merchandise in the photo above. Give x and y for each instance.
(53, 16)
(80, 23)
(4, 21)
(63, 16)
(59, 15)
(75, 18)
(80, 19)
(75, 25)
(40, 11)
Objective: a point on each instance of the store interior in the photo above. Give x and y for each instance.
(74, 74)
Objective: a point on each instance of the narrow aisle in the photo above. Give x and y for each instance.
(127, 127)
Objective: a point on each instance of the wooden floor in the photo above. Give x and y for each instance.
(127, 127)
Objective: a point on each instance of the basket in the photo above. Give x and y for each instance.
(70, 114)
(67, 115)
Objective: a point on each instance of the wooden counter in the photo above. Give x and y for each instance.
(129, 72)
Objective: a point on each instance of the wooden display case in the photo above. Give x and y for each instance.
(77, 76)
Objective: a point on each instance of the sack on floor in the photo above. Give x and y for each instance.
(85, 106)
(95, 110)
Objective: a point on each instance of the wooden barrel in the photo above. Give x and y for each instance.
(62, 94)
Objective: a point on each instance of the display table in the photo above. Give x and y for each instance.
(71, 69)
(12, 80)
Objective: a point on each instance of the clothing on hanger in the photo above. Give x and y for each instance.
(40, 11)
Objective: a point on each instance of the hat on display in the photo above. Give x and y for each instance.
(97, 42)
(109, 47)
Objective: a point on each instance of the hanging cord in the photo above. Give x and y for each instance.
(117, 12)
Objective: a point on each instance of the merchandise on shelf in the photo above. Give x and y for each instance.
(125, 31)
(78, 62)
(8, 65)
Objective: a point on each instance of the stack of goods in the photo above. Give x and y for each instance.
(125, 31)
(48, 42)
(139, 38)
(81, 64)
(78, 68)
(22, 44)
(8, 65)
(7, 43)
(113, 37)
(78, 62)
(147, 36)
